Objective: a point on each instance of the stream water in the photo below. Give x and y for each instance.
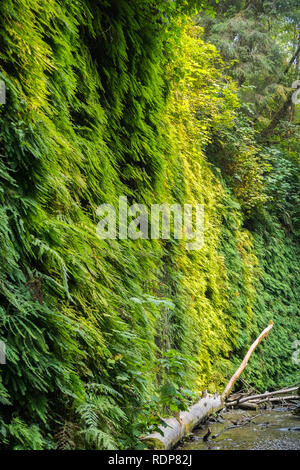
(275, 429)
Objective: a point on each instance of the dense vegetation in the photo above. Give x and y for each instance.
(161, 103)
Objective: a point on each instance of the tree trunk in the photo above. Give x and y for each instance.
(278, 116)
(252, 348)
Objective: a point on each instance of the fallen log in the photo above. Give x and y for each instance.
(261, 395)
(248, 406)
(176, 429)
(278, 399)
(245, 361)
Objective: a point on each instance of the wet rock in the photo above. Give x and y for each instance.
(296, 411)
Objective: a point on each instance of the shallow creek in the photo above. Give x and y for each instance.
(273, 429)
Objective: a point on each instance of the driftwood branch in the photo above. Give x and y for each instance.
(236, 375)
(261, 395)
(278, 399)
(253, 405)
(249, 405)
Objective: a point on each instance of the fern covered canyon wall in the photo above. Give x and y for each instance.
(164, 102)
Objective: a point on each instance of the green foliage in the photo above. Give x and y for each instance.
(244, 167)
(173, 396)
(282, 185)
(263, 173)
(277, 299)
(100, 417)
